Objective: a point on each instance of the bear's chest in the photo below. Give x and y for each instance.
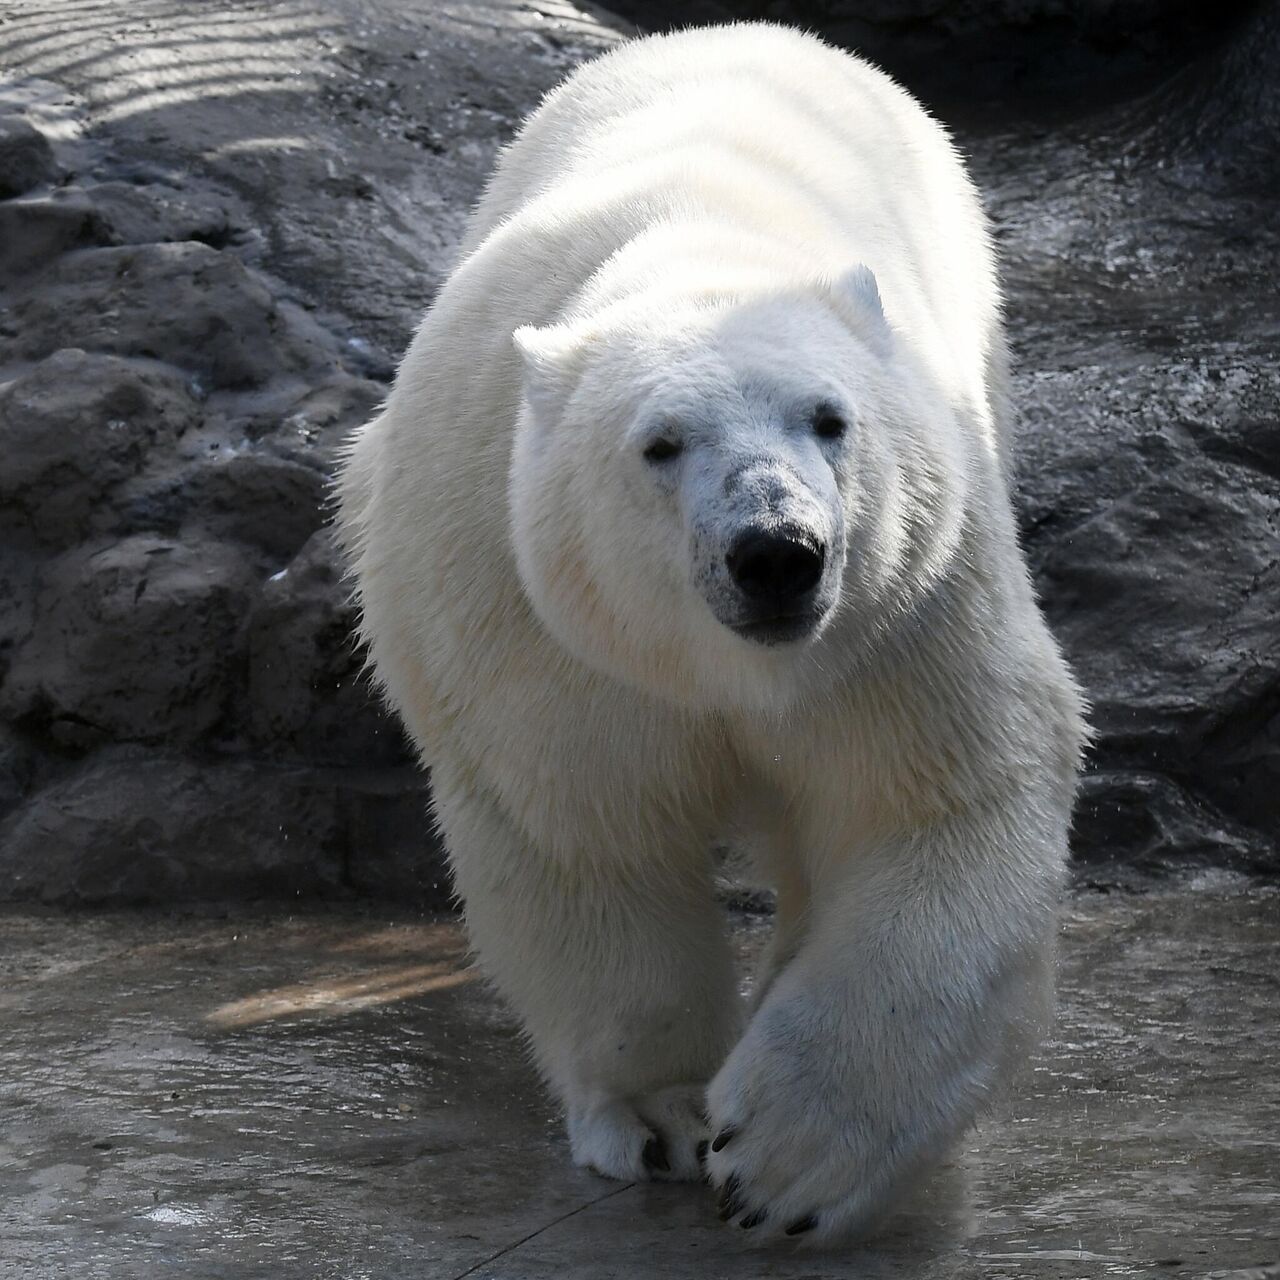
(845, 774)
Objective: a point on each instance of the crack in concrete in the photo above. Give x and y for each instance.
(533, 1235)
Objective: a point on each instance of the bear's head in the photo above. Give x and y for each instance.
(711, 498)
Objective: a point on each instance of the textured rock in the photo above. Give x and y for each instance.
(16, 768)
(264, 502)
(324, 416)
(36, 230)
(145, 828)
(1130, 826)
(186, 304)
(308, 693)
(1144, 325)
(394, 851)
(26, 158)
(135, 826)
(965, 51)
(19, 581)
(183, 711)
(1177, 643)
(1223, 115)
(133, 641)
(75, 427)
(156, 212)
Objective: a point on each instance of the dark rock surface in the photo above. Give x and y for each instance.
(306, 685)
(26, 158)
(73, 429)
(193, 307)
(132, 640)
(191, 829)
(1221, 113)
(1033, 54)
(218, 228)
(1140, 275)
(182, 709)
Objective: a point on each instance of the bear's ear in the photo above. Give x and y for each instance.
(551, 363)
(857, 296)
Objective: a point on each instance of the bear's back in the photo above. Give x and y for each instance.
(756, 89)
(768, 132)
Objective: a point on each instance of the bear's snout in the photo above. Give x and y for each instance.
(776, 568)
(778, 575)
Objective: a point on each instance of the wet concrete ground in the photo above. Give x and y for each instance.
(333, 1095)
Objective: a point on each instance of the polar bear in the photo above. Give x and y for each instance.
(688, 511)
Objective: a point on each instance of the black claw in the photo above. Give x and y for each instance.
(754, 1219)
(702, 1153)
(723, 1138)
(654, 1155)
(805, 1224)
(731, 1202)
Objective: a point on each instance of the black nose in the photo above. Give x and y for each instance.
(779, 566)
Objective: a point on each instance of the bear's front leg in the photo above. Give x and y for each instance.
(619, 968)
(877, 1043)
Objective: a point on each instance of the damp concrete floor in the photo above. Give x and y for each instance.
(331, 1094)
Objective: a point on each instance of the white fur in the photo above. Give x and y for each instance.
(699, 234)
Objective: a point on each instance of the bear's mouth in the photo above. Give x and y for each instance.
(782, 628)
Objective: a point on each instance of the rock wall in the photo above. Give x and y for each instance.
(960, 52)
(1140, 251)
(201, 292)
(183, 709)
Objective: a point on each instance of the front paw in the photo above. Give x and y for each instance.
(659, 1136)
(811, 1133)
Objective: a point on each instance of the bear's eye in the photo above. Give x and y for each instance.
(828, 424)
(663, 450)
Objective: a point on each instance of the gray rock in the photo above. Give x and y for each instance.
(19, 582)
(192, 306)
(16, 769)
(322, 418)
(393, 848)
(132, 826)
(26, 158)
(137, 828)
(136, 641)
(74, 428)
(270, 505)
(157, 212)
(1096, 429)
(1042, 52)
(1132, 826)
(359, 166)
(309, 695)
(1223, 114)
(36, 229)
(1177, 642)
(1147, 377)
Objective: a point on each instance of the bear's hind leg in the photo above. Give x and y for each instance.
(620, 971)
